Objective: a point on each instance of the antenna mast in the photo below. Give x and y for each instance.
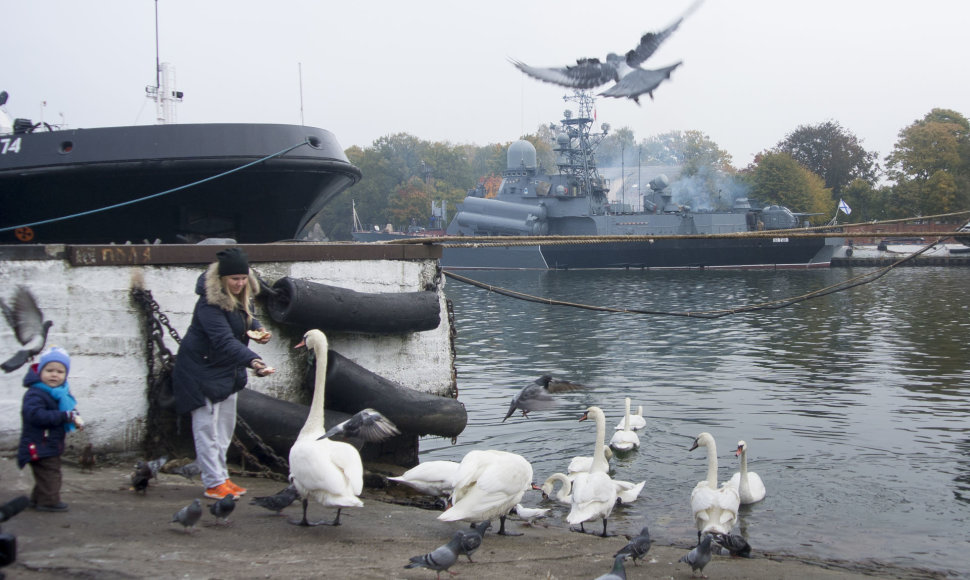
(163, 92)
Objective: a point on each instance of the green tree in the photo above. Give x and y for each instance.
(930, 165)
(776, 178)
(829, 150)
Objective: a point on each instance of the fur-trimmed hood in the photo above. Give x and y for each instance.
(212, 288)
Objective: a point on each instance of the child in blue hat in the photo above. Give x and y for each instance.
(48, 413)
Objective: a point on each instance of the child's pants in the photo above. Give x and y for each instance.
(47, 481)
(212, 427)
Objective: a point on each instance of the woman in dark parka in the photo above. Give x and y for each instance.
(212, 362)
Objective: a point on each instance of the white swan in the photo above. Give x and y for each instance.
(748, 483)
(626, 491)
(627, 439)
(593, 493)
(436, 478)
(582, 463)
(564, 495)
(489, 483)
(330, 472)
(637, 421)
(715, 509)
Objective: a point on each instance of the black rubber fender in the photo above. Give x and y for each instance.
(309, 305)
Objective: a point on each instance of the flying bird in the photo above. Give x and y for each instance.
(471, 540)
(637, 547)
(366, 426)
(189, 515)
(617, 573)
(538, 395)
(279, 501)
(699, 556)
(222, 508)
(733, 545)
(29, 326)
(441, 558)
(624, 71)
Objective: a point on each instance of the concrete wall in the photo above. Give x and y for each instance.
(103, 330)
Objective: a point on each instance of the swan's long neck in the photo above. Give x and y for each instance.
(314, 425)
(567, 484)
(626, 416)
(743, 487)
(711, 463)
(599, 455)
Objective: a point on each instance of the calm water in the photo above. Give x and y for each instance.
(855, 406)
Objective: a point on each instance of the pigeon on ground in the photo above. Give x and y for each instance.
(276, 503)
(699, 556)
(629, 79)
(538, 395)
(222, 508)
(472, 540)
(141, 477)
(617, 573)
(29, 326)
(638, 546)
(733, 545)
(189, 515)
(366, 426)
(87, 460)
(442, 558)
(155, 464)
(188, 471)
(530, 515)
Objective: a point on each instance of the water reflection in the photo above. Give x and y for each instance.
(855, 405)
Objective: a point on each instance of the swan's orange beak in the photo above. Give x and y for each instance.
(585, 416)
(738, 452)
(300, 344)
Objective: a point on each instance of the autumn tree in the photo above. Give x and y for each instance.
(930, 165)
(776, 178)
(832, 152)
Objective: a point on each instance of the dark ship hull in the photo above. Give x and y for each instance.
(53, 174)
(572, 204)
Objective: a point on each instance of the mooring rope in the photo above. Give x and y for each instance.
(709, 314)
(154, 195)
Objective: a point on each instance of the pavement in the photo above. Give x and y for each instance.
(112, 532)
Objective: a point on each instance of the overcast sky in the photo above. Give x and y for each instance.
(753, 70)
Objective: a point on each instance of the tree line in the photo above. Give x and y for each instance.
(809, 170)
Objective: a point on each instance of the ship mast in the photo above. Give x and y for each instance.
(163, 92)
(576, 145)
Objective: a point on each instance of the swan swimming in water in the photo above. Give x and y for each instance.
(748, 483)
(637, 421)
(627, 439)
(715, 509)
(330, 472)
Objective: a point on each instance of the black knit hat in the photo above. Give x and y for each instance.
(233, 262)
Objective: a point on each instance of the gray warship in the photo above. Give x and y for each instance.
(573, 201)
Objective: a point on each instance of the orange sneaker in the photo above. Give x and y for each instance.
(236, 490)
(220, 491)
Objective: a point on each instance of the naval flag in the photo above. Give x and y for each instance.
(844, 207)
